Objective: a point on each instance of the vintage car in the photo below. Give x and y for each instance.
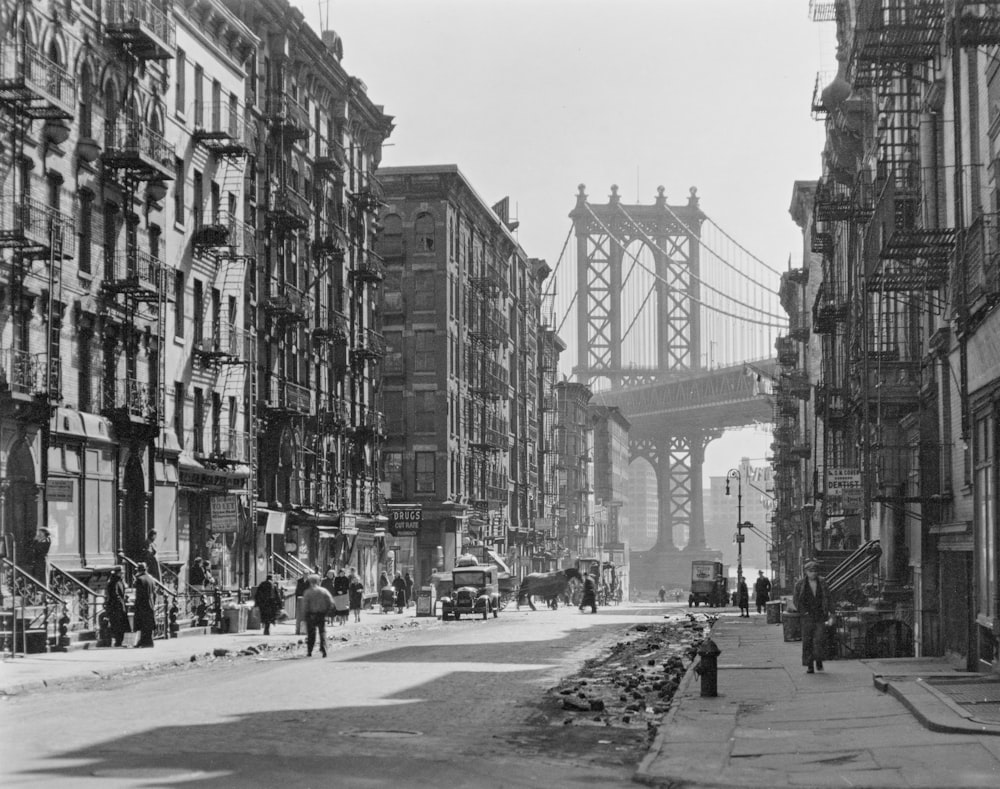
(474, 590)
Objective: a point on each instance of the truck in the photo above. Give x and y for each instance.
(474, 590)
(709, 584)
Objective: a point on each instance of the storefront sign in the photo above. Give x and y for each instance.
(59, 490)
(405, 519)
(225, 514)
(349, 523)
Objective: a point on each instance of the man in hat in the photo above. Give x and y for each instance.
(761, 590)
(812, 601)
(115, 607)
(145, 605)
(38, 553)
(268, 599)
(317, 603)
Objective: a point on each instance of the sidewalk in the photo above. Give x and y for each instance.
(773, 725)
(35, 671)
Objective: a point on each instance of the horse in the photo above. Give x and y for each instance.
(546, 585)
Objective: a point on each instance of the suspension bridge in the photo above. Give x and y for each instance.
(670, 319)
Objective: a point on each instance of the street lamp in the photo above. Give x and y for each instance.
(734, 473)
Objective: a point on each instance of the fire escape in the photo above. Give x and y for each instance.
(136, 155)
(224, 336)
(905, 261)
(33, 87)
(548, 358)
(489, 430)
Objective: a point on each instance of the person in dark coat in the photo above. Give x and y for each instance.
(115, 607)
(761, 590)
(743, 597)
(269, 600)
(149, 556)
(356, 593)
(145, 605)
(341, 587)
(589, 593)
(38, 553)
(196, 575)
(400, 586)
(409, 587)
(812, 600)
(300, 589)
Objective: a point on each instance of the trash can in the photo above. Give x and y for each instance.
(772, 609)
(790, 621)
(235, 619)
(425, 601)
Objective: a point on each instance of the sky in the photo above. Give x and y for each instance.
(532, 97)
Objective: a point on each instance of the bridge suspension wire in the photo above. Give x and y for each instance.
(555, 269)
(739, 246)
(780, 321)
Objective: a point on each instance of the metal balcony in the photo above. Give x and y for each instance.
(370, 346)
(978, 24)
(895, 32)
(787, 405)
(133, 272)
(368, 268)
(286, 115)
(38, 86)
(333, 418)
(981, 255)
(335, 329)
(799, 325)
(130, 399)
(331, 158)
(225, 237)
(288, 210)
(27, 374)
(287, 303)
(820, 240)
(132, 147)
(330, 241)
(367, 199)
(913, 259)
(287, 398)
(829, 309)
(36, 230)
(224, 344)
(223, 128)
(141, 27)
(833, 201)
(230, 447)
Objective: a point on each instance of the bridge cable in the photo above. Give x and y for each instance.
(718, 310)
(562, 252)
(741, 247)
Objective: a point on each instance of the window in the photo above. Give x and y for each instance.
(216, 105)
(424, 464)
(86, 230)
(178, 304)
(198, 313)
(198, 200)
(424, 414)
(984, 471)
(423, 290)
(423, 232)
(199, 97)
(86, 370)
(86, 113)
(423, 360)
(179, 73)
(393, 404)
(392, 472)
(199, 420)
(179, 191)
(392, 236)
(179, 396)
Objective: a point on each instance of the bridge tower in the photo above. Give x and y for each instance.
(672, 234)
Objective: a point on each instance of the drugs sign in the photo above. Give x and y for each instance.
(405, 519)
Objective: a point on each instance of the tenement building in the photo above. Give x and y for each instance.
(460, 311)
(894, 353)
(189, 346)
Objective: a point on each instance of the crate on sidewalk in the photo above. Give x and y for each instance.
(773, 610)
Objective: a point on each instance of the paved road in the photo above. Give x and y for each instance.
(449, 706)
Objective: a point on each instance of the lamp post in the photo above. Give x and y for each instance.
(734, 473)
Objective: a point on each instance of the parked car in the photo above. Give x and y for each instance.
(474, 590)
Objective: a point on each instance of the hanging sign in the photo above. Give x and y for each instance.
(225, 514)
(405, 519)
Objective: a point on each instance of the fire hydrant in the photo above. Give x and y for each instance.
(708, 667)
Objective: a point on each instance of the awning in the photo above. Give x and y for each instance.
(275, 522)
(498, 561)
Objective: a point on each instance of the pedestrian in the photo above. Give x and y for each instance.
(38, 553)
(268, 599)
(145, 605)
(589, 593)
(743, 597)
(149, 556)
(409, 588)
(399, 586)
(300, 589)
(316, 605)
(341, 596)
(115, 607)
(761, 591)
(812, 600)
(327, 583)
(663, 594)
(356, 593)
(383, 581)
(196, 575)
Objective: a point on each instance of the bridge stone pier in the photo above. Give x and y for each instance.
(678, 461)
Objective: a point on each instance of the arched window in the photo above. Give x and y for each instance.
(86, 113)
(423, 233)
